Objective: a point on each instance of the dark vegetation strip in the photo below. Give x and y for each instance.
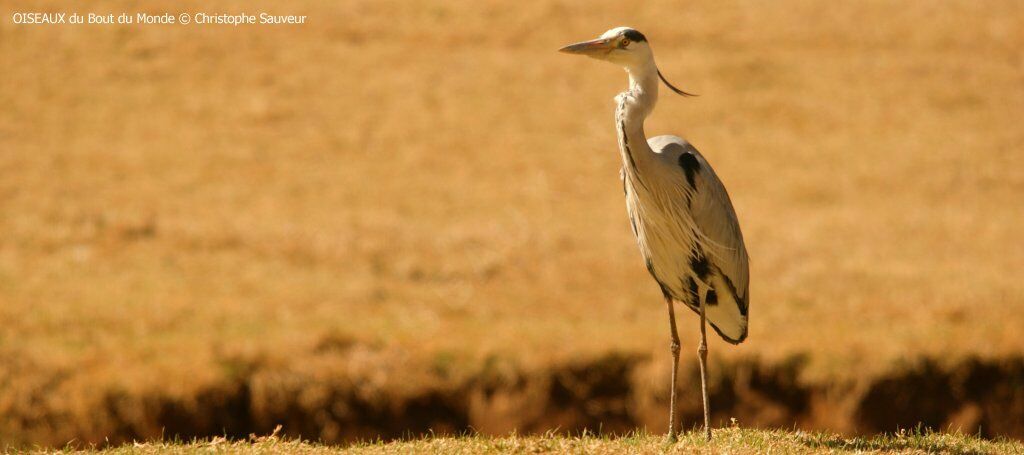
(605, 394)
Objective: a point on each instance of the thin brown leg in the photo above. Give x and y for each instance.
(675, 368)
(702, 352)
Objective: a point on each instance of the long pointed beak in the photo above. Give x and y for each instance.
(597, 46)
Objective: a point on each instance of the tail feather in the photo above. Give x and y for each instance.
(727, 314)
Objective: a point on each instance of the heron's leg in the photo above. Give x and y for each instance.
(675, 368)
(702, 352)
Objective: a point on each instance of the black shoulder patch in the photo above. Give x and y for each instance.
(691, 167)
(634, 35)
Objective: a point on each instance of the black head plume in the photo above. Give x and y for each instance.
(672, 87)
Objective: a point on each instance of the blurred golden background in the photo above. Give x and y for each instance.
(403, 216)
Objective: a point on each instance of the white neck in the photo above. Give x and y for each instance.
(643, 89)
(633, 106)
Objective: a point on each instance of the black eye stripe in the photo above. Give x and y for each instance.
(634, 35)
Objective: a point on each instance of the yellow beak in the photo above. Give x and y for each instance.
(597, 46)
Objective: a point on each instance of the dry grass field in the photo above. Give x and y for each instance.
(404, 216)
(731, 441)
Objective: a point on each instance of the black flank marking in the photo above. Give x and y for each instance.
(711, 298)
(634, 35)
(691, 167)
(695, 304)
(700, 266)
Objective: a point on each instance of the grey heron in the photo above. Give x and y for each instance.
(679, 211)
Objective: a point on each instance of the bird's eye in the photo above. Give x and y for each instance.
(624, 42)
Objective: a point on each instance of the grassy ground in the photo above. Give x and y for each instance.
(731, 441)
(431, 190)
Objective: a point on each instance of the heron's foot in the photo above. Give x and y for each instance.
(707, 434)
(671, 438)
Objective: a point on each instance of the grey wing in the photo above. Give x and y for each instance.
(719, 236)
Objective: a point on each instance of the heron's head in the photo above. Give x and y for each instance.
(623, 46)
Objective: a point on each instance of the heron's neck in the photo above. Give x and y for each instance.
(643, 85)
(634, 105)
